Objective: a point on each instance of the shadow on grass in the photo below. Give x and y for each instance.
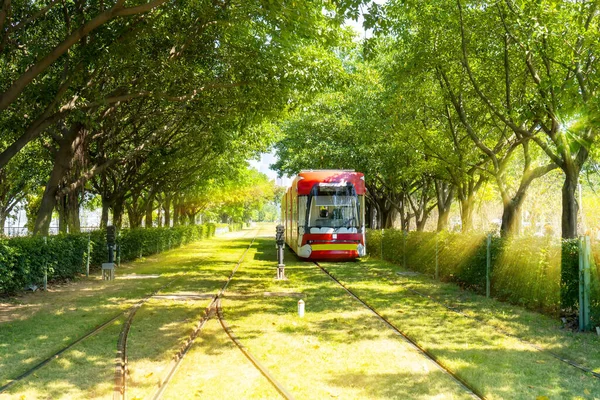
(63, 318)
(416, 385)
(470, 347)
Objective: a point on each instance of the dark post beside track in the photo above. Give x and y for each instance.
(211, 309)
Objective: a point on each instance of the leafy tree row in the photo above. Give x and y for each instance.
(454, 95)
(149, 103)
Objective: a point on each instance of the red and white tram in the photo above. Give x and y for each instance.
(323, 213)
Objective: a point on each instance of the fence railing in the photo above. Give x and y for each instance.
(535, 272)
(19, 231)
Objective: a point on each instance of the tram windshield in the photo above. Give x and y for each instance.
(333, 208)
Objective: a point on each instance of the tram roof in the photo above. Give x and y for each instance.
(308, 178)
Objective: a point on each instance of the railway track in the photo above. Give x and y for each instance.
(120, 380)
(502, 331)
(121, 363)
(90, 333)
(214, 309)
(282, 390)
(439, 364)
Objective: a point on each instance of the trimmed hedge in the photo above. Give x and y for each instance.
(537, 273)
(23, 260)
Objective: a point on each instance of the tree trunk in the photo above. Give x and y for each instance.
(135, 219)
(62, 162)
(466, 214)
(421, 224)
(386, 214)
(368, 215)
(176, 212)
(511, 218)
(61, 207)
(149, 210)
(72, 211)
(445, 195)
(443, 219)
(118, 213)
(570, 208)
(104, 217)
(3, 216)
(175, 216)
(388, 219)
(167, 210)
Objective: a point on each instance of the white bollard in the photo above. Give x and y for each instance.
(301, 308)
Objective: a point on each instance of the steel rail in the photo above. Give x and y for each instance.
(206, 315)
(90, 333)
(463, 383)
(249, 356)
(503, 331)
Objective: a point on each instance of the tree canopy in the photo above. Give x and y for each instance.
(466, 94)
(153, 107)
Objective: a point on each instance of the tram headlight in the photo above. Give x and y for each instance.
(361, 250)
(305, 251)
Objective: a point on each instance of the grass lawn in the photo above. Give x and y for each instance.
(338, 350)
(497, 365)
(36, 325)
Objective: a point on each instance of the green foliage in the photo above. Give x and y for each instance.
(239, 198)
(524, 270)
(24, 260)
(569, 288)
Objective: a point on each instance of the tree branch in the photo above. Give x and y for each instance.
(15, 89)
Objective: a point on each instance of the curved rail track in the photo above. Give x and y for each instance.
(121, 364)
(90, 333)
(464, 384)
(504, 332)
(214, 308)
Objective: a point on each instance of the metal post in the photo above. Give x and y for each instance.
(46, 264)
(382, 243)
(118, 244)
(437, 251)
(404, 249)
(280, 243)
(584, 283)
(87, 264)
(488, 264)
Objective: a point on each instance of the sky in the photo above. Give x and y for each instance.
(266, 159)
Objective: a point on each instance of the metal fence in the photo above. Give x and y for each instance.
(14, 231)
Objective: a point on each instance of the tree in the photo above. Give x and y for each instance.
(128, 82)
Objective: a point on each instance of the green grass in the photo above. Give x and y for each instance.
(160, 328)
(85, 371)
(497, 365)
(338, 350)
(547, 332)
(46, 322)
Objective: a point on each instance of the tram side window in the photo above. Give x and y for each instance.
(302, 214)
